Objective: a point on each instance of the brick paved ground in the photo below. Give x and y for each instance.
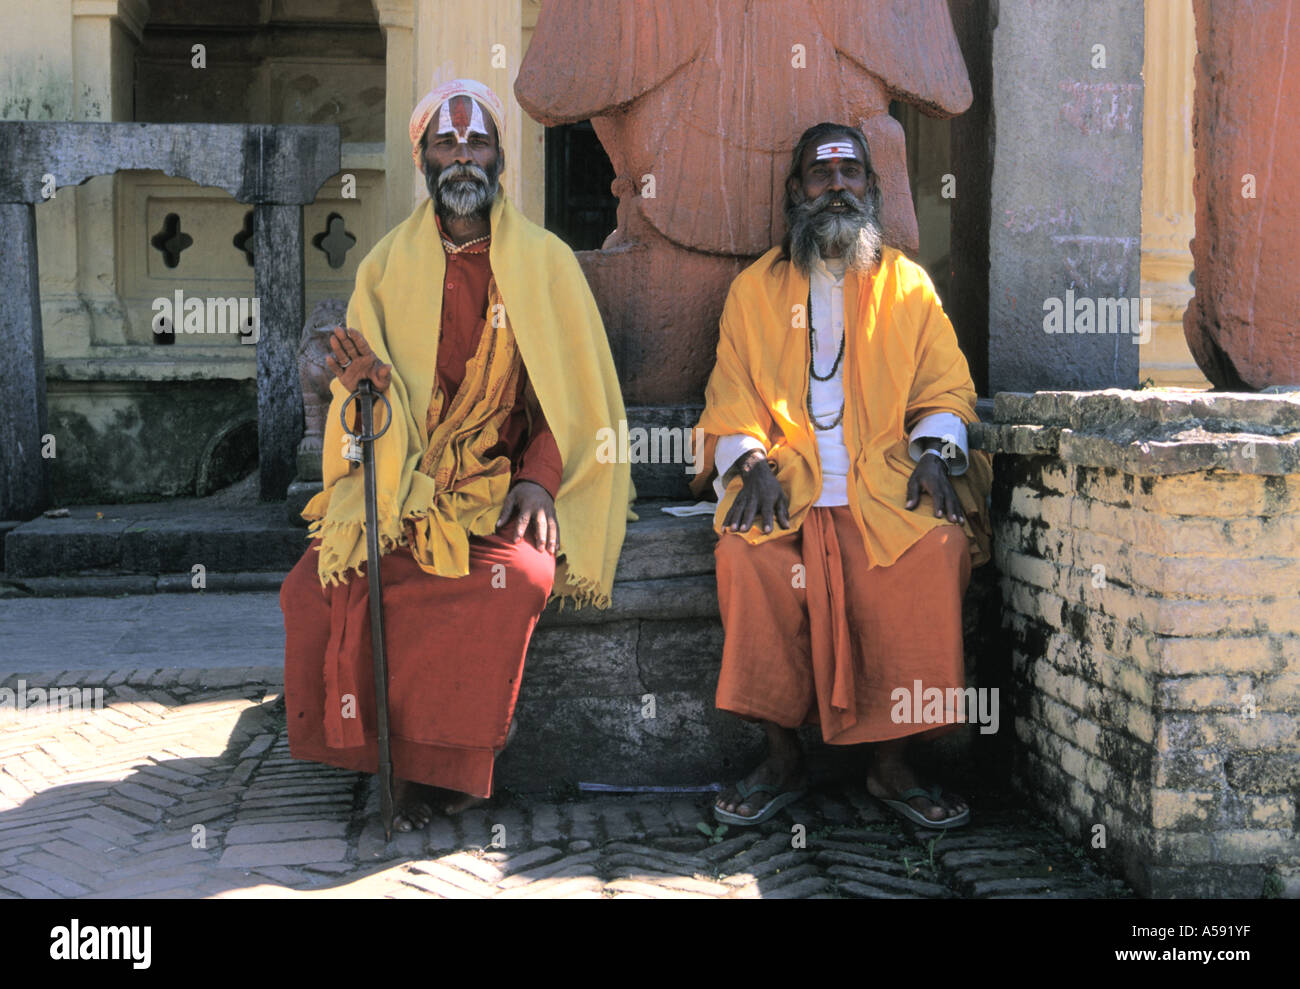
(182, 786)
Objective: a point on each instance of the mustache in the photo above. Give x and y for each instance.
(813, 207)
(453, 173)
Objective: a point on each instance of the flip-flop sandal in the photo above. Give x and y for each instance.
(770, 809)
(903, 809)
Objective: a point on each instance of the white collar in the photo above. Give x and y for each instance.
(830, 268)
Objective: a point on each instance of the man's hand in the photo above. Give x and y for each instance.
(931, 476)
(353, 360)
(761, 496)
(533, 512)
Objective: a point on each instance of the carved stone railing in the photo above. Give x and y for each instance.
(277, 169)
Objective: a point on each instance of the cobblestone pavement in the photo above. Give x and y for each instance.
(181, 785)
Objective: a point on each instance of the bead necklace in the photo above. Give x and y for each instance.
(812, 369)
(812, 346)
(458, 248)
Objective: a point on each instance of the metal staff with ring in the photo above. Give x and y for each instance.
(361, 448)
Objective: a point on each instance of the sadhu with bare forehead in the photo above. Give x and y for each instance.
(850, 509)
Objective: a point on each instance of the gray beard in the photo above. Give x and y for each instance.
(453, 196)
(855, 234)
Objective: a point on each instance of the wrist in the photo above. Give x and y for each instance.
(938, 455)
(751, 462)
(741, 466)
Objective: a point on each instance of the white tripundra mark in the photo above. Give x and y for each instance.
(462, 127)
(836, 149)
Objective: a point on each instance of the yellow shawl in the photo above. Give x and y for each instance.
(438, 486)
(901, 363)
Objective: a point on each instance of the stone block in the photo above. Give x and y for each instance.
(1264, 772)
(1205, 693)
(1226, 654)
(1222, 495)
(662, 546)
(1175, 810)
(255, 163)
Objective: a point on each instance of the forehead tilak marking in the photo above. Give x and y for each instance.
(836, 149)
(460, 121)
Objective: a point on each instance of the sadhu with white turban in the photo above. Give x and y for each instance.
(480, 329)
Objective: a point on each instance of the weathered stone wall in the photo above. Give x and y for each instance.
(1150, 553)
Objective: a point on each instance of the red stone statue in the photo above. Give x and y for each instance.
(698, 104)
(1243, 325)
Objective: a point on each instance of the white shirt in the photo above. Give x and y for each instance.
(827, 289)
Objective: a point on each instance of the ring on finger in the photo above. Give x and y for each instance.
(345, 364)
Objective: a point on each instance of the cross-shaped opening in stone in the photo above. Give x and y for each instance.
(171, 241)
(335, 242)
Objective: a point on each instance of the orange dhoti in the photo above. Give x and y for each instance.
(455, 646)
(816, 636)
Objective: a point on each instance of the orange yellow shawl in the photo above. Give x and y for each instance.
(901, 363)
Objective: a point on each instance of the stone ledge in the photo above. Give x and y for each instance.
(168, 538)
(1093, 411)
(1151, 433)
(156, 364)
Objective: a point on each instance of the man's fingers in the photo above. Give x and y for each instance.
(732, 520)
(507, 510)
(358, 342)
(342, 345)
(729, 518)
(552, 533)
(768, 510)
(913, 492)
(336, 347)
(542, 530)
(747, 515)
(521, 523)
(783, 511)
(955, 513)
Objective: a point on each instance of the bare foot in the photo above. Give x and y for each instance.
(412, 805)
(783, 768)
(454, 802)
(891, 777)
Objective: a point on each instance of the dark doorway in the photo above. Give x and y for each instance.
(580, 208)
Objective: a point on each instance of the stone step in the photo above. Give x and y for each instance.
(170, 538)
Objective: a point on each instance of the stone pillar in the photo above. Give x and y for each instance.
(401, 181)
(1148, 551)
(459, 38)
(278, 284)
(1168, 207)
(105, 36)
(1243, 325)
(1066, 202)
(24, 473)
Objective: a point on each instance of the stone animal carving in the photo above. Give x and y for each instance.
(315, 378)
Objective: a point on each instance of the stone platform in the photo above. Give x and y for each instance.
(623, 695)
